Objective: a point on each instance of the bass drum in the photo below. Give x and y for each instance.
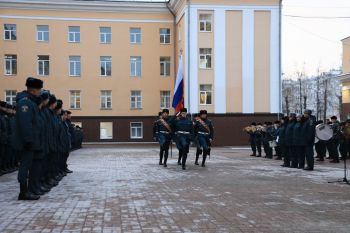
(324, 132)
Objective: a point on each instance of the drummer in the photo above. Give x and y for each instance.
(320, 146)
(333, 143)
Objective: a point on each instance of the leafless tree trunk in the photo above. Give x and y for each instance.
(325, 99)
(287, 105)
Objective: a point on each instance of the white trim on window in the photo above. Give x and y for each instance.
(140, 127)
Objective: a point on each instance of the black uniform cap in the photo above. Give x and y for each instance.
(59, 104)
(165, 111)
(68, 112)
(52, 99)
(45, 94)
(334, 118)
(183, 110)
(203, 112)
(34, 83)
(3, 104)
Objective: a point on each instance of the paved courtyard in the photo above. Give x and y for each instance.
(124, 190)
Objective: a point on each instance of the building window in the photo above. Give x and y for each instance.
(10, 32)
(205, 22)
(135, 66)
(74, 65)
(164, 99)
(106, 65)
(205, 58)
(10, 64)
(106, 130)
(75, 100)
(43, 65)
(105, 35)
(205, 94)
(136, 100)
(106, 99)
(135, 35)
(42, 33)
(164, 35)
(136, 130)
(165, 66)
(10, 96)
(74, 34)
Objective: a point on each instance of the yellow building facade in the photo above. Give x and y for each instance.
(345, 79)
(114, 63)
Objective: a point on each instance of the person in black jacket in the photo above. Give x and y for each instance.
(27, 133)
(290, 148)
(298, 159)
(309, 137)
(320, 147)
(281, 137)
(204, 131)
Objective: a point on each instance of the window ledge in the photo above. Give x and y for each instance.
(10, 75)
(75, 76)
(104, 109)
(135, 109)
(75, 109)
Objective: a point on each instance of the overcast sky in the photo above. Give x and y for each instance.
(313, 42)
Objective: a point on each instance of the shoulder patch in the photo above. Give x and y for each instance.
(24, 108)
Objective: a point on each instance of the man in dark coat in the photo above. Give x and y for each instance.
(164, 134)
(298, 159)
(290, 147)
(27, 133)
(309, 137)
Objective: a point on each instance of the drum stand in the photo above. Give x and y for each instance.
(344, 180)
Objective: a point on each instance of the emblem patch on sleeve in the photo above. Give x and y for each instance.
(24, 108)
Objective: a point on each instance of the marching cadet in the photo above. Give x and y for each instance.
(199, 150)
(27, 133)
(164, 132)
(333, 143)
(183, 128)
(204, 131)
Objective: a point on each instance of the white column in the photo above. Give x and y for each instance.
(220, 60)
(193, 56)
(274, 63)
(186, 68)
(248, 61)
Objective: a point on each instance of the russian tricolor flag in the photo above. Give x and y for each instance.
(178, 99)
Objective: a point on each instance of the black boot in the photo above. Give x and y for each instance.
(166, 155)
(180, 157)
(25, 194)
(184, 158)
(198, 152)
(204, 158)
(161, 156)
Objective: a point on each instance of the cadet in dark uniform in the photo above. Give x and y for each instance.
(204, 131)
(277, 126)
(333, 143)
(154, 130)
(183, 128)
(199, 150)
(27, 133)
(281, 141)
(3, 137)
(269, 136)
(164, 132)
(309, 137)
(290, 147)
(298, 159)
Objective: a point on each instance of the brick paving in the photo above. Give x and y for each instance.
(124, 190)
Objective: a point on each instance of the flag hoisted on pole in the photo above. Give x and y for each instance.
(178, 99)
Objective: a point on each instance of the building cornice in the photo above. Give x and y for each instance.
(102, 6)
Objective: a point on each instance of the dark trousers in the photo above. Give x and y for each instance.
(25, 165)
(321, 149)
(289, 155)
(164, 143)
(183, 144)
(278, 150)
(255, 145)
(309, 152)
(332, 147)
(204, 142)
(299, 158)
(268, 150)
(35, 174)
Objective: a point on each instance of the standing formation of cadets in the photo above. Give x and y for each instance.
(293, 139)
(36, 138)
(183, 131)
